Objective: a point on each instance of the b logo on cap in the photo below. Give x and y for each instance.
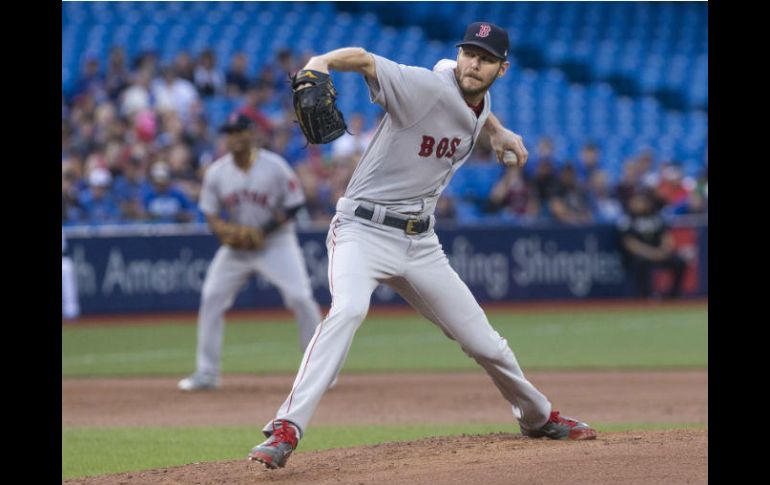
(484, 30)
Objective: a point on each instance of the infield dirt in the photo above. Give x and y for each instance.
(636, 457)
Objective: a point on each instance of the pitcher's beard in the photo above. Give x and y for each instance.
(473, 91)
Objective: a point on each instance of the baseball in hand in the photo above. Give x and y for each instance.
(510, 158)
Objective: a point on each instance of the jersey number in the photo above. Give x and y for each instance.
(445, 148)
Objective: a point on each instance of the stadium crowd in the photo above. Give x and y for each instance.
(136, 140)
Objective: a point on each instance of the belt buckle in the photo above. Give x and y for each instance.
(410, 226)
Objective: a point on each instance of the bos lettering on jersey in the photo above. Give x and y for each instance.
(445, 148)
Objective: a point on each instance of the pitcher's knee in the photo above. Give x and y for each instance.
(349, 311)
(488, 349)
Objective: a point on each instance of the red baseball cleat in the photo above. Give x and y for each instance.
(562, 428)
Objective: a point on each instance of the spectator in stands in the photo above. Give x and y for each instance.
(130, 188)
(236, 77)
(183, 171)
(164, 202)
(545, 184)
(146, 60)
(605, 206)
(91, 81)
(98, 203)
(267, 74)
(317, 194)
(117, 130)
(171, 130)
(117, 78)
(114, 153)
(289, 142)
(137, 97)
(285, 64)
(184, 66)
(209, 80)
(670, 188)
(83, 108)
(569, 203)
(544, 153)
(588, 162)
(173, 93)
(83, 142)
(144, 127)
(74, 166)
(198, 139)
(648, 244)
(630, 181)
(71, 210)
(257, 94)
(696, 201)
(353, 145)
(104, 116)
(648, 173)
(516, 198)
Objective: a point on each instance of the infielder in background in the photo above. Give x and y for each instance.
(383, 229)
(261, 195)
(70, 307)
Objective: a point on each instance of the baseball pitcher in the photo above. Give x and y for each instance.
(383, 230)
(261, 194)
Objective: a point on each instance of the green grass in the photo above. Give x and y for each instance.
(98, 451)
(632, 338)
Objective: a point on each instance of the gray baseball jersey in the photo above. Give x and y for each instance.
(428, 133)
(250, 198)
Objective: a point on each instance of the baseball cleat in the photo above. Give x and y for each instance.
(275, 451)
(562, 428)
(198, 382)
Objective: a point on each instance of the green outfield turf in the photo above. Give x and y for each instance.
(98, 451)
(671, 337)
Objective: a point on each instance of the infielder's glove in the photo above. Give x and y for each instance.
(320, 119)
(242, 237)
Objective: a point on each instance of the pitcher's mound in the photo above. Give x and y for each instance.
(637, 457)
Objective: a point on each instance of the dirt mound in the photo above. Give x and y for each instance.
(644, 457)
(675, 396)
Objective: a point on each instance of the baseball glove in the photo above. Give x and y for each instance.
(242, 237)
(320, 119)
